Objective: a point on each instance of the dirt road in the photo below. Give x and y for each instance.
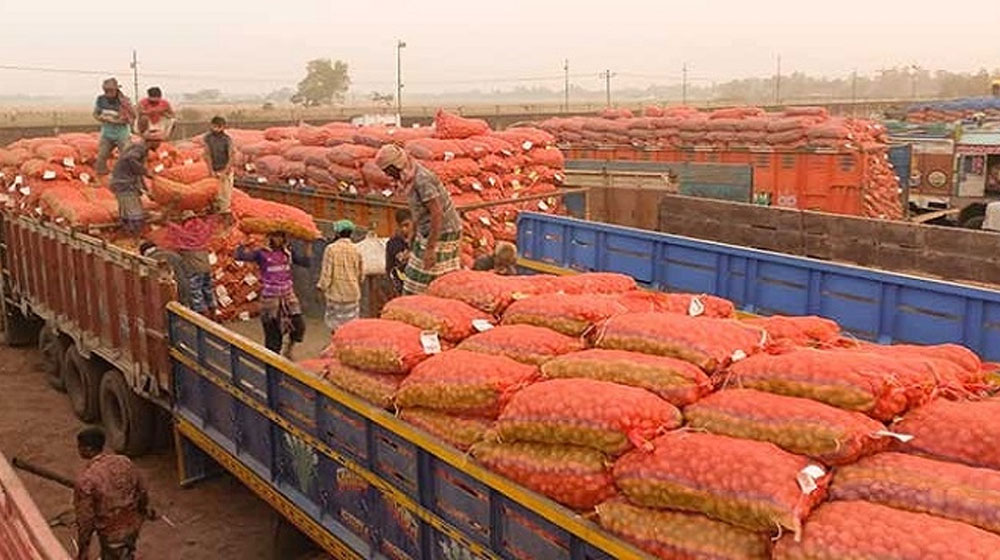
(218, 518)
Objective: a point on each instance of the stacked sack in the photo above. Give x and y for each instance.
(477, 166)
(691, 433)
(746, 128)
(54, 179)
(954, 110)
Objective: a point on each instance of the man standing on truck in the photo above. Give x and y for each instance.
(110, 499)
(156, 116)
(115, 113)
(397, 251)
(340, 277)
(219, 156)
(436, 243)
(128, 183)
(280, 310)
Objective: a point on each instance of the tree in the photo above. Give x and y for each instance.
(383, 98)
(203, 96)
(280, 95)
(324, 81)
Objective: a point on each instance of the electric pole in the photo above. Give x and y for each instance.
(607, 75)
(777, 84)
(566, 86)
(399, 80)
(684, 85)
(854, 92)
(135, 76)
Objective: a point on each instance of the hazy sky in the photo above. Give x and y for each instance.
(249, 46)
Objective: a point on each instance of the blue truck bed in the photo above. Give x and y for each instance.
(872, 305)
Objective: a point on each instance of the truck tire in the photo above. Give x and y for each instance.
(128, 418)
(18, 329)
(82, 379)
(52, 347)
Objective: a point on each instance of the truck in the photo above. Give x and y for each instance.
(354, 478)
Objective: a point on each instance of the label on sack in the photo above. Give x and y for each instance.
(251, 296)
(807, 478)
(221, 292)
(244, 316)
(542, 206)
(902, 438)
(213, 259)
(429, 340)
(249, 279)
(507, 153)
(188, 161)
(85, 177)
(477, 186)
(696, 307)
(448, 156)
(291, 182)
(485, 220)
(527, 145)
(25, 190)
(533, 175)
(738, 355)
(493, 181)
(559, 177)
(2, 174)
(515, 184)
(387, 193)
(225, 301)
(159, 168)
(164, 154)
(518, 296)
(49, 175)
(481, 325)
(248, 166)
(261, 180)
(68, 162)
(18, 180)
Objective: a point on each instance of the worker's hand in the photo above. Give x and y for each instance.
(430, 257)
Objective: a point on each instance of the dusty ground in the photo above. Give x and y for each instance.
(317, 336)
(218, 518)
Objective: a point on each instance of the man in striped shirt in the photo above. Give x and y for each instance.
(340, 277)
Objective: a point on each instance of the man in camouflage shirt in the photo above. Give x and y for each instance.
(110, 499)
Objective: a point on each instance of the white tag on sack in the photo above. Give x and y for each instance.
(68, 162)
(159, 168)
(507, 153)
(291, 182)
(429, 340)
(25, 190)
(164, 154)
(493, 181)
(85, 177)
(515, 184)
(902, 438)
(2, 174)
(807, 478)
(240, 264)
(251, 296)
(485, 220)
(738, 355)
(559, 177)
(448, 156)
(261, 180)
(696, 307)
(243, 316)
(542, 206)
(477, 186)
(387, 193)
(49, 175)
(248, 166)
(481, 325)
(213, 259)
(188, 161)
(18, 180)
(518, 296)
(526, 145)
(225, 301)
(249, 279)
(221, 292)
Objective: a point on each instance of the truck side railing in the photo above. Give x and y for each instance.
(872, 305)
(353, 477)
(108, 300)
(24, 533)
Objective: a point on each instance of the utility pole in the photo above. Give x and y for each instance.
(684, 85)
(135, 76)
(607, 75)
(854, 92)
(777, 84)
(913, 80)
(399, 80)
(566, 86)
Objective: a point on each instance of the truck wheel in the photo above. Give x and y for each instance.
(127, 417)
(18, 329)
(82, 384)
(52, 347)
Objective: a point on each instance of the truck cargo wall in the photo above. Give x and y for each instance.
(950, 253)
(24, 533)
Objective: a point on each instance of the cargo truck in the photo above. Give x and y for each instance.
(353, 477)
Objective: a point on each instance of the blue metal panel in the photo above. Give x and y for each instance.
(870, 304)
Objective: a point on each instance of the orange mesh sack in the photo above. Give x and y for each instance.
(452, 320)
(868, 531)
(78, 206)
(264, 216)
(597, 414)
(594, 283)
(450, 126)
(197, 196)
(376, 388)
(187, 174)
(459, 431)
(912, 483)
(963, 432)
(676, 381)
(315, 366)
(801, 426)
(968, 367)
(490, 292)
(708, 343)
(800, 331)
(576, 477)
(572, 315)
(679, 535)
(703, 305)
(751, 484)
(378, 345)
(461, 382)
(525, 343)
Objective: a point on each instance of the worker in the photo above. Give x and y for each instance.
(196, 234)
(280, 310)
(156, 116)
(219, 156)
(436, 241)
(176, 264)
(397, 251)
(340, 277)
(128, 183)
(503, 261)
(110, 499)
(115, 113)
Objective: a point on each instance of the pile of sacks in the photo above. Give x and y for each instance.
(53, 179)
(954, 110)
(692, 433)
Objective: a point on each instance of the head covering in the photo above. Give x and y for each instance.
(110, 82)
(391, 154)
(341, 226)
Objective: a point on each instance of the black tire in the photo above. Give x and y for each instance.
(52, 347)
(82, 379)
(18, 329)
(128, 418)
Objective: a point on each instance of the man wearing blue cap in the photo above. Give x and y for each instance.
(341, 277)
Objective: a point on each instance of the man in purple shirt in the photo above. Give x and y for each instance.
(280, 310)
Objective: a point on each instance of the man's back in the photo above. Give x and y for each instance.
(111, 496)
(341, 274)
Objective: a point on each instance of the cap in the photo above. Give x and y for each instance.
(390, 154)
(343, 225)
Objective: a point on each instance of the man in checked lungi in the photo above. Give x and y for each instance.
(128, 183)
(438, 227)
